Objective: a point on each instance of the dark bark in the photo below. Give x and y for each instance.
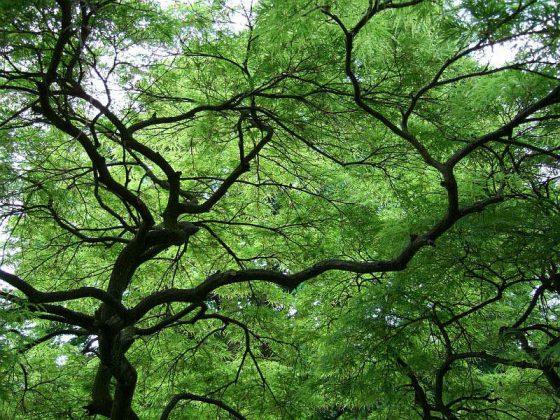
(192, 397)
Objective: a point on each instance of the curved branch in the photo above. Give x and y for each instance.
(192, 397)
(49, 336)
(37, 297)
(291, 281)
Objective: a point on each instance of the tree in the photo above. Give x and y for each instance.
(341, 200)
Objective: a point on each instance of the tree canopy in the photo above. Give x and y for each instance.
(279, 209)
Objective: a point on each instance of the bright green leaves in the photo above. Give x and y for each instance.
(347, 173)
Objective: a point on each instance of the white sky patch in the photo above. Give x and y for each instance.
(64, 338)
(61, 360)
(547, 173)
(241, 10)
(5, 287)
(498, 55)
(168, 3)
(139, 56)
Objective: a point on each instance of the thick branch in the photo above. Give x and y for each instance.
(192, 397)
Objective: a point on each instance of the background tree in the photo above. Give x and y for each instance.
(331, 209)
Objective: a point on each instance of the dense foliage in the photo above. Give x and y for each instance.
(279, 209)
